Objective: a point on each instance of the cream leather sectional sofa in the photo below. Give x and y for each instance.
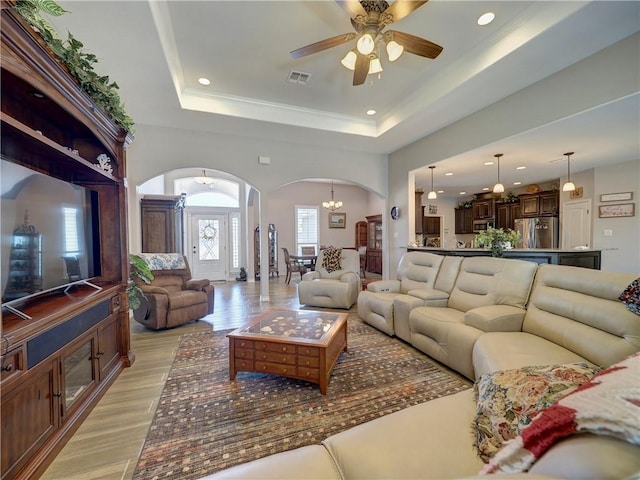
(491, 320)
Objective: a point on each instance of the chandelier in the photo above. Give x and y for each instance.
(332, 205)
(203, 179)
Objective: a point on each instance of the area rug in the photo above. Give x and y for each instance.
(205, 423)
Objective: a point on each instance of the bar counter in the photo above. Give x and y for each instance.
(577, 258)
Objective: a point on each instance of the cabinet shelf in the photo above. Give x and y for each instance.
(20, 142)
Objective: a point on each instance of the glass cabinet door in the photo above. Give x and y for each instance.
(79, 372)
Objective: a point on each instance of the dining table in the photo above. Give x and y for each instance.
(308, 261)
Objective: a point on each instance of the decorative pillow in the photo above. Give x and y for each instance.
(607, 405)
(164, 261)
(508, 400)
(631, 296)
(332, 259)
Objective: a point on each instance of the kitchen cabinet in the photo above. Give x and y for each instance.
(506, 213)
(539, 204)
(464, 220)
(483, 209)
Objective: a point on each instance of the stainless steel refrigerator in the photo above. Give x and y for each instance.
(538, 232)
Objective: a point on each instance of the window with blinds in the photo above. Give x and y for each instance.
(306, 227)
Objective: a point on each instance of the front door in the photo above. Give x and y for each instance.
(208, 246)
(576, 224)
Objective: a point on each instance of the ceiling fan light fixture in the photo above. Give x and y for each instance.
(569, 186)
(375, 66)
(349, 60)
(394, 50)
(366, 44)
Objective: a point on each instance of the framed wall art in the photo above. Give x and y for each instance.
(616, 197)
(618, 210)
(337, 220)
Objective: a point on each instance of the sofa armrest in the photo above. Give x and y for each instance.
(427, 294)
(196, 284)
(311, 275)
(495, 318)
(349, 277)
(384, 286)
(149, 289)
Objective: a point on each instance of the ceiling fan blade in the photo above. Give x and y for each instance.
(401, 8)
(352, 7)
(362, 69)
(323, 45)
(417, 45)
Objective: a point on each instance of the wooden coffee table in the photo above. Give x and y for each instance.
(300, 344)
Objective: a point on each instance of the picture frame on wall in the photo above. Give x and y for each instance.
(616, 197)
(337, 220)
(617, 210)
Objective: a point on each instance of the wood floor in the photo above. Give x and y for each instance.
(108, 443)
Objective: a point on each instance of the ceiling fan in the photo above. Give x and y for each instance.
(369, 18)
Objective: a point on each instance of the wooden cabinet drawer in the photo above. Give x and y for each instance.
(276, 368)
(276, 357)
(309, 351)
(243, 343)
(309, 373)
(274, 347)
(243, 364)
(13, 364)
(246, 353)
(308, 361)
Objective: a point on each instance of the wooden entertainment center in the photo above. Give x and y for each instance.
(61, 349)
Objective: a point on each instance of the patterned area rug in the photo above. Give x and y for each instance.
(205, 423)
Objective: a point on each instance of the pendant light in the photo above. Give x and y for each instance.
(432, 194)
(498, 187)
(569, 186)
(332, 205)
(203, 180)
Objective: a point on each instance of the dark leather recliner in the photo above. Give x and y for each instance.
(173, 297)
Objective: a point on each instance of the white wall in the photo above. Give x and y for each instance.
(621, 250)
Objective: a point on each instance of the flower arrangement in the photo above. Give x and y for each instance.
(497, 239)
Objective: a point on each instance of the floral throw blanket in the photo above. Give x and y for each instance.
(609, 404)
(631, 296)
(164, 261)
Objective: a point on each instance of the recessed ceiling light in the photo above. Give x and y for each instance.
(486, 164)
(486, 18)
(521, 167)
(371, 112)
(463, 193)
(517, 183)
(204, 81)
(485, 189)
(440, 191)
(448, 174)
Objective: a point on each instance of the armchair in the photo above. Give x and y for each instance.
(173, 297)
(333, 284)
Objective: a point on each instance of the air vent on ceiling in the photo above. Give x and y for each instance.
(299, 78)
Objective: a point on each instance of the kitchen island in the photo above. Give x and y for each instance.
(577, 258)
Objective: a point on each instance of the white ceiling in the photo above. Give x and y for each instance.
(156, 51)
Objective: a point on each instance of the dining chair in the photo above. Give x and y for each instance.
(293, 265)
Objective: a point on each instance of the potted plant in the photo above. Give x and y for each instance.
(497, 239)
(140, 271)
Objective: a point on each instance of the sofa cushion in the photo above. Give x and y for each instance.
(427, 441)
(495, 351)
(508, 400)
(609, 404)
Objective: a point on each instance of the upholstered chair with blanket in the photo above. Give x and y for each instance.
(335, 283)
(173, 297)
